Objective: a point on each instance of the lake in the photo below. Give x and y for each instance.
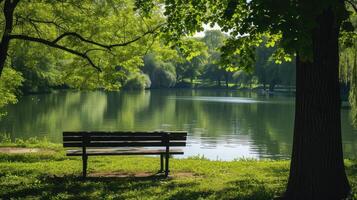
(223, 125)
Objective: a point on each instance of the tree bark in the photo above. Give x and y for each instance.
(317, 169)
(8, 11)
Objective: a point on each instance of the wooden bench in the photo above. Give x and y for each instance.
(101, 143)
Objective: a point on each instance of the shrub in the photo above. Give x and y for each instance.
(137, 82)
(163, 79)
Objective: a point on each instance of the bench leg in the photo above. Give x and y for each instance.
(167, 165)
(84, 159)
(161, 163)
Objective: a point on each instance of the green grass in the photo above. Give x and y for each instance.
(33, 142)
(52, 175)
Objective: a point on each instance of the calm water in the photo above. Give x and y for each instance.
(221, 124)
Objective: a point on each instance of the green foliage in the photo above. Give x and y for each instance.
(269, 72)
(193, 55)
(137, 82)
(88, 28)
(163, 78)
(162, 74)
(348, 65)
(190, 48)
(287, 24)
(214, 39)
(215, 69)
(9, 83)
(244, 78)
(39, 66)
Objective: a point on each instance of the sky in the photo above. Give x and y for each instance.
(206, 27)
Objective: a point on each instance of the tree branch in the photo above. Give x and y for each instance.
(84, 55)
(106, 46)
(57, 46)
(41, 21)
(80, 38)
(36, 28)
(352, 4)
(139, 37)
(98, 49)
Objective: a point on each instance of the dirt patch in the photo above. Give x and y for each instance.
(138, 174)
(19, 150)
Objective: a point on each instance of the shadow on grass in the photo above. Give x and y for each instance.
(74, 187)
(156, 187)
(238, 190)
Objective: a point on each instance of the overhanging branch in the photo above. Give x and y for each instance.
(57, 46)
(84, 55)
(106, 46)
(74, 34)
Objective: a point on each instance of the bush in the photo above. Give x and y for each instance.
(163, 79)
(10, 81)
(137, 82)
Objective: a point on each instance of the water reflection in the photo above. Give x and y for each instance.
(221, 124)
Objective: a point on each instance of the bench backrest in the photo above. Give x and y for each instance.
(124, 139)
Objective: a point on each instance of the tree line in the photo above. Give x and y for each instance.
(196, 63)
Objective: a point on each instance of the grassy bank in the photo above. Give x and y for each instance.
(52, 175)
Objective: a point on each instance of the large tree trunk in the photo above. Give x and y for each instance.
(9, 7)
(317, 169)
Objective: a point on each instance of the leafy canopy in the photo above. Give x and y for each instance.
(282, 22)
(86, 36)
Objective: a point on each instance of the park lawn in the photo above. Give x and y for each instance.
(49, 174)
(52, 175)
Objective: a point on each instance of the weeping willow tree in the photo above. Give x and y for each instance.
(348, 65)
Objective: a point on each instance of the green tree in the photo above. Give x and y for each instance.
(163, 78)
(269, 72)
(309, 29)
(40, 69)
(137, 81)
(8, 87)
(193, 55)
(162, 74)
(214, 70)
(242, 77)
(94, 31)
(80, 44)
(214, 39)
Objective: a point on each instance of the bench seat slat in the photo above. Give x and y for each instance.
(122, 138)
(123, 133)
(106, 151)
(123, 144)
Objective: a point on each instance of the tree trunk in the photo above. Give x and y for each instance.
(317, 169)
(8, 11)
